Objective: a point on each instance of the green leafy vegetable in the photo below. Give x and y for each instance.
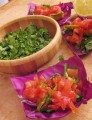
(65, 70)
(46, 5)
(78, 98)
(86, 44)
(61, 57)
(24, 42)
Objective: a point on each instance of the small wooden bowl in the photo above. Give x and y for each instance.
(32, 62)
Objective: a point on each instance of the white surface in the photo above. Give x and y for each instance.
(3, 2)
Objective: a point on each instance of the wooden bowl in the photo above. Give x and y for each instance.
(32, 62)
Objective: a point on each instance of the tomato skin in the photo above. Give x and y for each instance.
(41, 10)
(73, 73)
(61, 96)
(75, 38)
(85, 28)
(55, 9)
(72, 107)
(80, 85)
(62, 101)
(76, 21)
(72, 96)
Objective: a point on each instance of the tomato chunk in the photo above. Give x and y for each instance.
(56, 93)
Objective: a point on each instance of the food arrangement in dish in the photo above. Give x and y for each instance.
(54, 92)
(57, 92)
(78, 35)
(60, 12)
(60, 89)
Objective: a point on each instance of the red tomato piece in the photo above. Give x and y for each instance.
(55, 9)
(76, 21)
(72, 107)
(87, 26)
(80, 85)
(73, 73)
(41, 10)
(75, 38)
(61, 91)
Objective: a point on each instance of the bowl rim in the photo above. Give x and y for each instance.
(34, 55)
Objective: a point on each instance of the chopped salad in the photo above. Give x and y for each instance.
(60, 92)
(60, 12)
(79, 34)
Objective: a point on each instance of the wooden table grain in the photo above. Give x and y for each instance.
(10, 105)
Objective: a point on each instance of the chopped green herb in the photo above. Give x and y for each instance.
(24, 42)
(45, 5)
(61, 57)
(65, 70)
(78, 98)
(68, 31)
(49, 110)
(86, 44)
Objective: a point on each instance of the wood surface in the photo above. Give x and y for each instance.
(32, 62)
(10, 106)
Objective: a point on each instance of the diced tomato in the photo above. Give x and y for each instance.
(74, 86)
(55, 9)
(29, 83)
(67, 85)
(73, 73)
(80, 85)
(72, 107)
(42, 79)
(53, 106)
(72, 96)
(77, 88)
(78, 91)
(75, 39)
(85, 28)
(56, 93)
(76, 21)
(37, 10)
(31, 94)
(62, 101)
(41, 10)
(60, 85)
(86, 24)
(79, 31)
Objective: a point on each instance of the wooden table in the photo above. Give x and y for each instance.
(10, 106)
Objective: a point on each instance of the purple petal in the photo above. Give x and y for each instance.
(29, 107)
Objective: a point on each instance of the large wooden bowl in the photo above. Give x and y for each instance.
(30, 63)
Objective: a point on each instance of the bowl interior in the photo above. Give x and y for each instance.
(24, 22)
